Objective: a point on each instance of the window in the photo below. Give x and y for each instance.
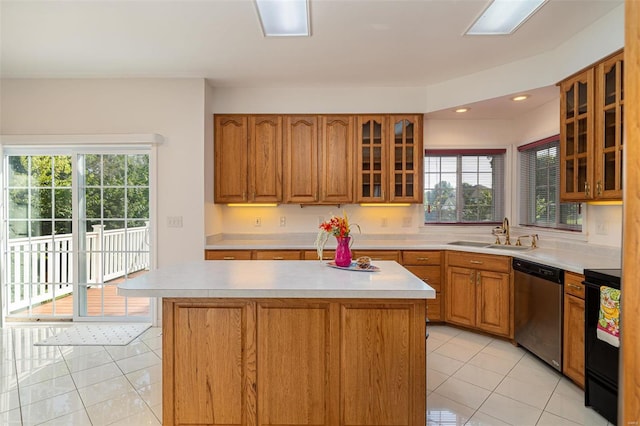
(539, 188)
(464, 186)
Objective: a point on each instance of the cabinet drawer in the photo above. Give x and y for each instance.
(313, 255)
(573, 284)
(421, 257)
(479, 261)
(429, 274)
(277, 255)
(227, 255)
(377, 254)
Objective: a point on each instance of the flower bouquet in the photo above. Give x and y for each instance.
(340, 228)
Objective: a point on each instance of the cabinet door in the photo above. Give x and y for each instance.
(382, 353)
(405, 155)
(493, 302)
(265, 159)
(219, 340)
(301, 159)
(576, 137)
(573, 345)
(460, 296)
(371, 180)
(231, 158)
(297, 364)
(609, 128)
(336, 165)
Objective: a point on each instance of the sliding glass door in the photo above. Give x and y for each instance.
(77, 223)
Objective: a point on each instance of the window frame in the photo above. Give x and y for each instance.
(527, 204)
(499, 195)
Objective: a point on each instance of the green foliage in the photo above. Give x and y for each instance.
(115, 188)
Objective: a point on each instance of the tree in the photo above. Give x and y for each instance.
(115, 189)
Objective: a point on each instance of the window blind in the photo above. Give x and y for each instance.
(540, 191)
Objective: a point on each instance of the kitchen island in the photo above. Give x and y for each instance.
(290, 342)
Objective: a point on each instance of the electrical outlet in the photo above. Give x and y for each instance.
(283, 221)
(384, 222)
(257, 221)
(602, 228)
(174, 221)
(406, 222)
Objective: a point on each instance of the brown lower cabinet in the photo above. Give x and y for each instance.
(478, 292)
(427, 265)
(294, 362)
(573, 328)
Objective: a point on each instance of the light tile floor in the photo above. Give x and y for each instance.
(79, 385)
(477, 380)
(471, 380)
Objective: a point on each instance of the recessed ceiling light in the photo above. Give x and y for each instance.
(282, 18)
(504, 16)
(520, 98)
(462, 109)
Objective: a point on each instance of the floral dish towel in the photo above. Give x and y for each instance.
(608, 329)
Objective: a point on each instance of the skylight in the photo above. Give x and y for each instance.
(504, 16)
(284, 18)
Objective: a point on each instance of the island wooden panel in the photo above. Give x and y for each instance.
(294, 362)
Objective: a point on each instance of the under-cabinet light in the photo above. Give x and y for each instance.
(282, 18)
(385, 204)
(461, 110)
(520, 98)
(605, 203)
(252, 205)
(503, 17)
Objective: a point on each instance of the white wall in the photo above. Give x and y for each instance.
(596, 41)
(171, 107)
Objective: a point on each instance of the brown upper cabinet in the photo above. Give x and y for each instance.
(318, 159)
(389, 156)
(248, 158)
(591, 109)
(609, 128)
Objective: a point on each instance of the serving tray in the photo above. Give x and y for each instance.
(354, 267)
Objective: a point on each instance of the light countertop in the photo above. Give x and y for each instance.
(574, 257)
(276, 279)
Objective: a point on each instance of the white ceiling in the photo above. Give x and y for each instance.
(412, 43)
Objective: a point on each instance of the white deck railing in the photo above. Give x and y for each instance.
(40, 269)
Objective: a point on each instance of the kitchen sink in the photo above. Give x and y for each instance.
(469, 244)
(503, 247)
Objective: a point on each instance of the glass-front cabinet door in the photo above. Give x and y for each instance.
(609, 128)
(405, 156)
(576, 137)
(372, 173)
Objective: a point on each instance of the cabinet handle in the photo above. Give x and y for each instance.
(423, 258)
(577, 287)
(587, 189)
(278, 258)
(599, 188)
(477, 278)
(244, 196)
(229, 258)
(327, 257)
(472, 277)
(476, 262)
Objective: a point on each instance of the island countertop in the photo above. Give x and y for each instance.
(276, 279)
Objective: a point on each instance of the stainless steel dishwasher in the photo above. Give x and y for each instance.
(538, 310)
